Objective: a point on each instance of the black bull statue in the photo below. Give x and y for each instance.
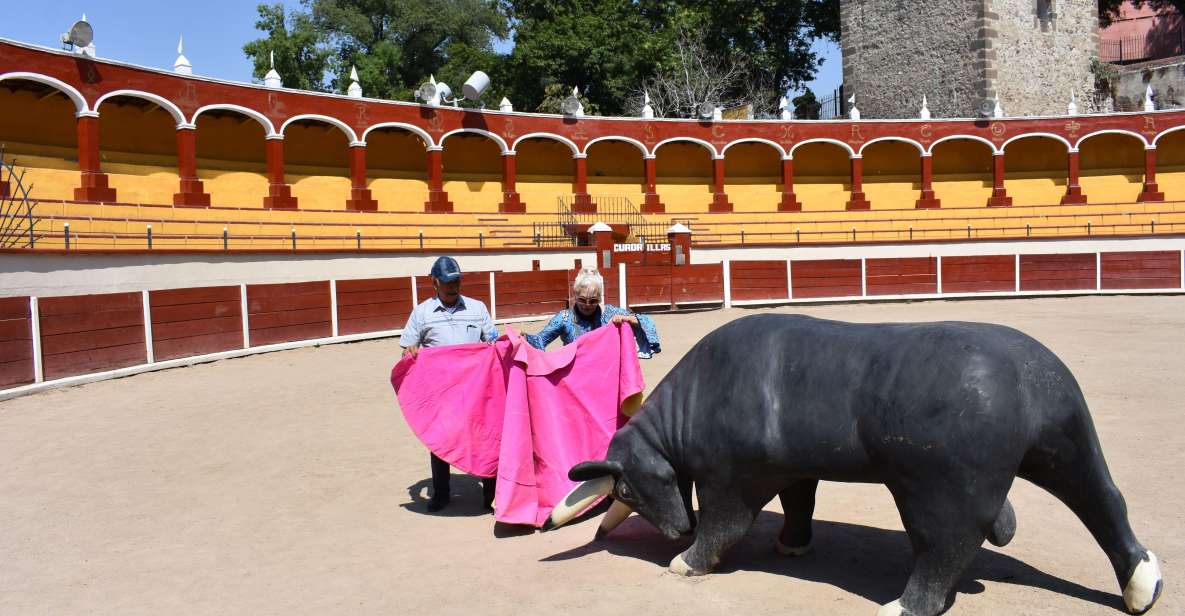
(944, 414)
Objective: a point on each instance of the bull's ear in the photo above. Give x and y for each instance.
(593, 469)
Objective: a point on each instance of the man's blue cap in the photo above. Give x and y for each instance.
(446, 269)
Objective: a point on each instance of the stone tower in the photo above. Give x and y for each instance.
(959, 54)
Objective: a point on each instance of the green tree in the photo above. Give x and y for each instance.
(806, 106)
(301, 60)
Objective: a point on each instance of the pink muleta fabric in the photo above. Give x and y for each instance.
(525, 414)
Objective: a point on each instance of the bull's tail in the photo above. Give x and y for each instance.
(1068, 462)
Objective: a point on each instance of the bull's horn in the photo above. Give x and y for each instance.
(583, 495)
(617, 514)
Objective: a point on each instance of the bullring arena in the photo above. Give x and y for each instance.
(199, 305)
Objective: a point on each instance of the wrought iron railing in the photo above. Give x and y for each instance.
(1147, 46)
(17, 222)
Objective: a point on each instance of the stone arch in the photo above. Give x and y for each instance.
(1036, 168)
(396, 163)
(317, 161)
(753, 174)
(159, 101)
(847, 148)
(822, 174)
(550, 136)
(80, 105)
(616, 168)
(138, 146)
(683, 173)
(304, 117)
(472, 169)
(39, 127)
(962, 167)
(1111, 166)
(892, 169)
(637, 144)
(231, 154)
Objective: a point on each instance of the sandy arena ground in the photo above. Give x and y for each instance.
(289, 483)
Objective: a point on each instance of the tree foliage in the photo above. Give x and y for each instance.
(1109, 9)
(301, 60)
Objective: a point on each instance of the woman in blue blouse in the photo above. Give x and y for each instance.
(590, 313)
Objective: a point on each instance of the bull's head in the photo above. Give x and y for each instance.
(637, 477)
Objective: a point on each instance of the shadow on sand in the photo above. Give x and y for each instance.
(873, 563)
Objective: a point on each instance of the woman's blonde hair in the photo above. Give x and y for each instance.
(589, 278)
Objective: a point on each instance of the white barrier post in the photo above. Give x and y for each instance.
(35, 321)
(1098, 271)
(144, 303)
(621, 296)
(243, 309)
(789, 280)
(415, 297)
(863, 277)
(939, 272)
(1017, 273)
(333, 306)
(727, 284)
(493, 299)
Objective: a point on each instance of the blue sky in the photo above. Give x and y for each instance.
(215, 31)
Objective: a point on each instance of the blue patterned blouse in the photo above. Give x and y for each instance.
(568, 325)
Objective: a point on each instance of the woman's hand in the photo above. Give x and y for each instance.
(624, 318)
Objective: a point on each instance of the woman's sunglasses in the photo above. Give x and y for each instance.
(588, 301)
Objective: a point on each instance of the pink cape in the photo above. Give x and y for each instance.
(526, 415)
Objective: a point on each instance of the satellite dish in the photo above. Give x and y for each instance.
(571, 106)
(987, 108)
(443, 91)
(705, 111)
(475, 85)
(81, 34)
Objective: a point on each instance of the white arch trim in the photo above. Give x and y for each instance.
(553, 137)
(268, 129)
(501, 142)
(1114, 131)
(711, 148)
(1048, 135)
(75, 96)
(342, 126)
(991, 146)
(637, 144)
(847, 148)
(920, 147)
(776, 146)
(419, 132)
(1167, 131)
(159, 101)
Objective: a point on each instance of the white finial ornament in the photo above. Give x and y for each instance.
(997, 111)
(272, 78)
(181, 65)
(580, 106)
(925, 112)
(647, 110)
(1148, 104)
(854, 113)
(355, 90)
(787, 111)
(1072, 108)
(505, 105)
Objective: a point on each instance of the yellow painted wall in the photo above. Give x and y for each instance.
(616, 168)
(393, 152)
(1170, 165)
(473, 173)
(962, 173)
(822, 173)
(892, 175)
(684, 176)
(232, 159)
(1111, 168)
(544, 169)
(41, 135)
(1035, 171)
(138, 150)
(753, 177)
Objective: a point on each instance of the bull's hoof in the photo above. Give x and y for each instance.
(680, 566)
(798, 550)
(1143, 589)
(893, 609)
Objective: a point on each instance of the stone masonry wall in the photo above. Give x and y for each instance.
(1041, 55)
(894, 51)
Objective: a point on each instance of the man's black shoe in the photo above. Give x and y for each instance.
(436, 504)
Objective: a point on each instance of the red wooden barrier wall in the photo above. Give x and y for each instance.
(1141, 270)
(91, 333)
(187, 322)
(1062, 272)
(287, 312)
(648, 285)
(756, 280)
(473, 284)
(901, 276)
(697, 283)
(978, 274)
(16, 342)
(373, 305)
(530, 293)
(827, 278)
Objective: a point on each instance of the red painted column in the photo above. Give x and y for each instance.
(789, 200)
(719, 198)
(651, 205)
(602, 241)
(94, 182)
(927, 200)
(437, 198)
(279, 193)
(999, 196)
(858, 202)
(1151, 191)
(1073, 194)
(190, 192)
(512, 202)
(360, 198)
(582, 202)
